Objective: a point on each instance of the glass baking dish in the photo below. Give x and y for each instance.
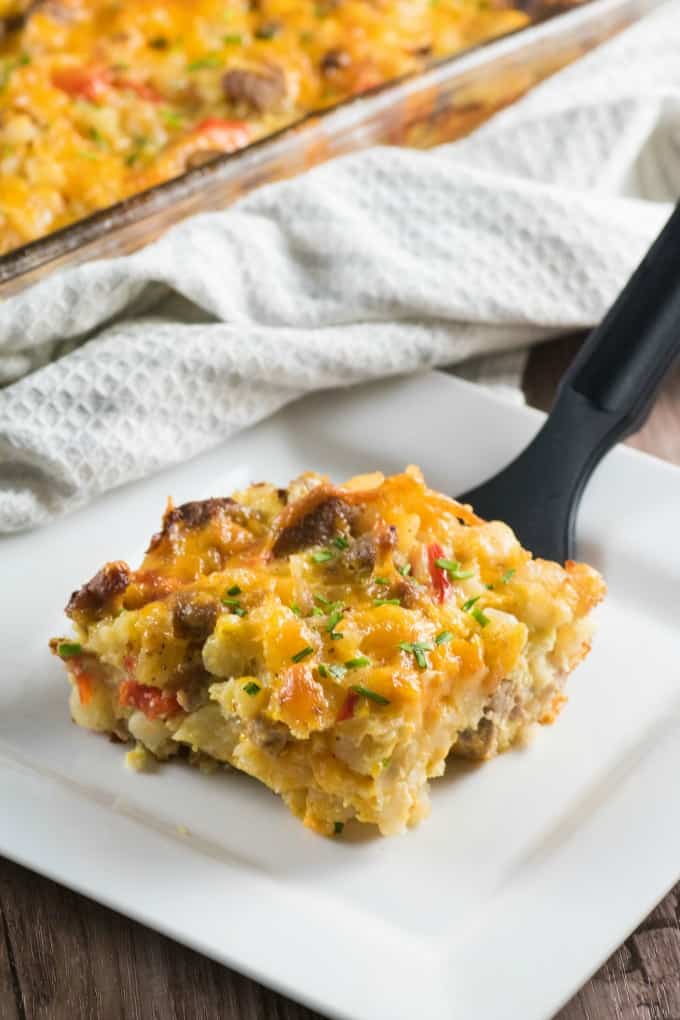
(439, 104)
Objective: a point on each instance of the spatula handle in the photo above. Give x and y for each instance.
(619, 368)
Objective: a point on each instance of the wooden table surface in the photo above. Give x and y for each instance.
(63, 957)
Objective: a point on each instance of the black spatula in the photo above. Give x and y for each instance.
(605, 395)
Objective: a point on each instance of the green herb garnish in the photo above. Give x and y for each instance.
(88, 155)
(296, 609)
(98, 138)
(507, 575)
(475, 612)
(418, 649)
(385, 762)
(336, 671)
(405, 570)
(358, 663)
(204, 62)
(267, 31)
(322, 556)
(384, 581)
(234, 605)
(386, 602)
(366, 692)
(338, 827)
(443, 638)
(233, 39)
(252, 688)
(452, 568)
(322, 601)
(67, 649)
(172, 118)
(340, 542)
(234, 590)
(333, 620)
(302, 654)
(159, 42)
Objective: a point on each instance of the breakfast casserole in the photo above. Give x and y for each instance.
(102, 99)
(335, 642)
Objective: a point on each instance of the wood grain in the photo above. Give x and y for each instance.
(63, 957)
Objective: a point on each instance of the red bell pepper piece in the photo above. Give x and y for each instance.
(89, 83)
(223, 134)
(152, 701)
(440, 578)
(347, 710)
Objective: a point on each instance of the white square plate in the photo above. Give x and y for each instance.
(530, 869)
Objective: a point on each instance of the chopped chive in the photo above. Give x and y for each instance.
(233, 39)
(66, 649)
(295, 609)
(358, 663)
(405, 570)
(335, 636)
(171, 118)
(204, 62)
(385, 762)
(340, 542)
(234, 590)
(320, 600)
(322, 556)
(467, 606)
(382, 580)
(366, 692)
(234, 605)
(338, 827)
(97, 137)
(418, 649)
(507, 575)
(336, 670)
(317, 611)
(443, 638)
(333, 620)
(453, 569)
(481, 617)
(267, 31)
(302, 654)
(252, 688)
(386, 602)
(489, 587)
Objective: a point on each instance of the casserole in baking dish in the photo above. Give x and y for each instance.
(100, 100)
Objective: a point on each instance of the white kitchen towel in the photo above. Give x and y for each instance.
(383, 262)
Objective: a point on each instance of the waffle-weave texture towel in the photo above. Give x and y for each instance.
(383, 262)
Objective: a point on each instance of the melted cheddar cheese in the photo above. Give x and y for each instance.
(102, 99)
(335, 642)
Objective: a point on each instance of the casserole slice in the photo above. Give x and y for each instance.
(335, 642)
